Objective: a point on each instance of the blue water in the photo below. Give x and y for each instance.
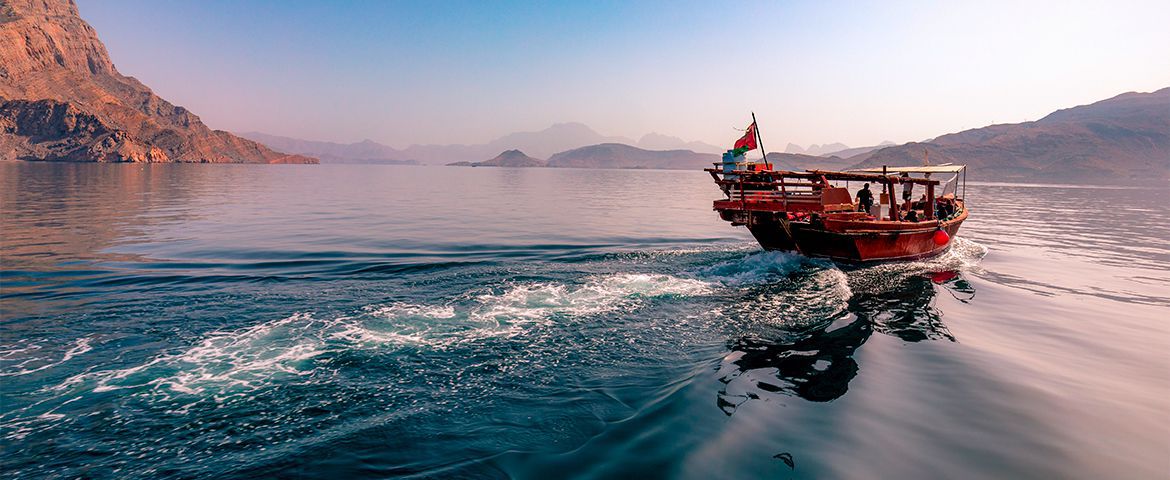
(231, 321)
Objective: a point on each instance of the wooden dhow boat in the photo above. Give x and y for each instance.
(813, 212)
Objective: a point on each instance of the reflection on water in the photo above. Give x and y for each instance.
(196, 321)
(61, 221)
(817, 367)
(907, 311)
(817, 363)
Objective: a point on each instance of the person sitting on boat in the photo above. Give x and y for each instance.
(919, 204)
(944, 207)
(912, 216)
(907, 190)
(864, 199)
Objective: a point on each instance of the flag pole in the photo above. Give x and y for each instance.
(760, 140)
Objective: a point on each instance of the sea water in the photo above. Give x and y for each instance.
(351, 321)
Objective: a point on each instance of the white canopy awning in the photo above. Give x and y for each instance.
(944, 168)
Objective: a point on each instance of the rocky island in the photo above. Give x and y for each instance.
(509, 158)
(61, 99)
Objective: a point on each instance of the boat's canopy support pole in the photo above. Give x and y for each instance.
(929, 201)
(893, 206)
(964, 183)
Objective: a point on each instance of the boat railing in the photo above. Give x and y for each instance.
(811, 190)
(772, 195)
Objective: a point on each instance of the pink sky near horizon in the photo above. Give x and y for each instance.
(859, 73)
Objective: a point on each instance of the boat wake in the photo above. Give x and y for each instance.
(472, 343)
(231, 365)
(23, 362)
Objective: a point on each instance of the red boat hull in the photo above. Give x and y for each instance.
(806, 213)
(847, 240)
(853, 246)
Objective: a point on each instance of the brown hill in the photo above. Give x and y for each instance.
(510, 158)
(61, 99)
(1124, 138)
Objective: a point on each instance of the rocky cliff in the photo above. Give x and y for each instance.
(61, 99)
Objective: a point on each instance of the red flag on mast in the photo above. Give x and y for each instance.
(748, 142)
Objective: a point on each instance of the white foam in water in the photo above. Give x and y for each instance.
(964, 255)
(226, 362)
(397, 323)
(837, 282)
(754, 268)
(359, 333)
(231, 363)
(80, 346)
(820, 293)
(541, 301)
(510, 312)
(429, 311)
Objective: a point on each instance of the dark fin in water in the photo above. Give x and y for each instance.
(787, 458)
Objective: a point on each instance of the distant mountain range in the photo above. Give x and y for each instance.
(605, 155)
(1124, 138)
(851, 152)
(616, 155)
(834, 149)
(366, 151)
(543, 143)
(814, 149)
(658, 141)
(800, 161)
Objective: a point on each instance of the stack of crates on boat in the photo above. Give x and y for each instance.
(732, 162)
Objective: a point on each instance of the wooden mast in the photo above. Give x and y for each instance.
(760, 141)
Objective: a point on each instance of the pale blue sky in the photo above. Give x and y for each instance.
(466, 72)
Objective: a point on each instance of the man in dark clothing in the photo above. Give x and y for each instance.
(864, 199)
(907, 190)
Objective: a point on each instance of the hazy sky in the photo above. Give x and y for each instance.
(467, 72)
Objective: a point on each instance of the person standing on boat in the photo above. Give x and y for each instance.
(907, 190)
(864, 199)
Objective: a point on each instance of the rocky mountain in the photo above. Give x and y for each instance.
(1124, 138)
(616, 155)
(62, 99)
(510, 158)
(365, 151)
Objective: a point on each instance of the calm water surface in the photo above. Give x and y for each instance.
(183, 321)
